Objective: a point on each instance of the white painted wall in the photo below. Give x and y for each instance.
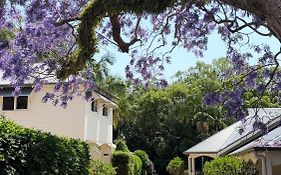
(99, 128)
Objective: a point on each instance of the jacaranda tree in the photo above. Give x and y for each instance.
(43, 40)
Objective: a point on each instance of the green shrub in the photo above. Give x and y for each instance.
(229, 165)
(137, 164)
(123, 162)
(126, 163)
(26, 151)
(121, 145)
(175, 166)
(249, 168)
(100, 168)
(145, 161)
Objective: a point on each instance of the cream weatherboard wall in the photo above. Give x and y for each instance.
(76, 121)
(47, 117)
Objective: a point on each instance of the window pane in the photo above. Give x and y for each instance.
(94, 106)
(8, 103)
(22, 102)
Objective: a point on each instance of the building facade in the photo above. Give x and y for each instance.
(91, 121)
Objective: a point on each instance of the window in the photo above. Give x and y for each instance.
(8, 103)
(22, 102)
(12, 103)
(94, 106)
(104, 110)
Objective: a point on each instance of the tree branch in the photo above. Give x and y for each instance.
(67, 20)
(116, 33)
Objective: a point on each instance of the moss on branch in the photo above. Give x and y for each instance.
(91, 17)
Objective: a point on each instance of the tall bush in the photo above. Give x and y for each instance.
(126, 163)
(123, 163)
(229, 165)
(176, 166)
(26, 151)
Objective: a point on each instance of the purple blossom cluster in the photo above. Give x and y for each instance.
(33, 48)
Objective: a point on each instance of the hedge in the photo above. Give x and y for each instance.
(100, 168)
(26, 151)
(126, 163)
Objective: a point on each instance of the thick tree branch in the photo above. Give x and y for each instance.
(267, 10)
(116, 32)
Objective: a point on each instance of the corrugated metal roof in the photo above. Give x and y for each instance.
(270, 140)
(230, 135)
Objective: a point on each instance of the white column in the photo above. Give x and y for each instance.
(193, 166)
(263, 166)
(189, 165)
(268, 165)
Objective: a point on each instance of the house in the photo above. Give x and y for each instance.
(241, 140)
(91, 121)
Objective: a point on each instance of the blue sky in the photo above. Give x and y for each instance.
(182, 60)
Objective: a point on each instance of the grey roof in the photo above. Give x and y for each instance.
(270, 140)
(230, 135)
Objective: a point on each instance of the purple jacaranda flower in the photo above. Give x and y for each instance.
(211, 99)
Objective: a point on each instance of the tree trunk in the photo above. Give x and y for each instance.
(268, 10)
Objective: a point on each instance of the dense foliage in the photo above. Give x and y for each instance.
(229, 165)
(154, 119)
(26, 151)
(176, 166)
(98, 167)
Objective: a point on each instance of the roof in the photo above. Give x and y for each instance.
(229, 138)
(270, 141)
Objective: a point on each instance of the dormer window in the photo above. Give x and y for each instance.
(94, 106)
(104, 110)
(12, 103)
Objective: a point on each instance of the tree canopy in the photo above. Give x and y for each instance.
(154, 119)
(57, 40)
